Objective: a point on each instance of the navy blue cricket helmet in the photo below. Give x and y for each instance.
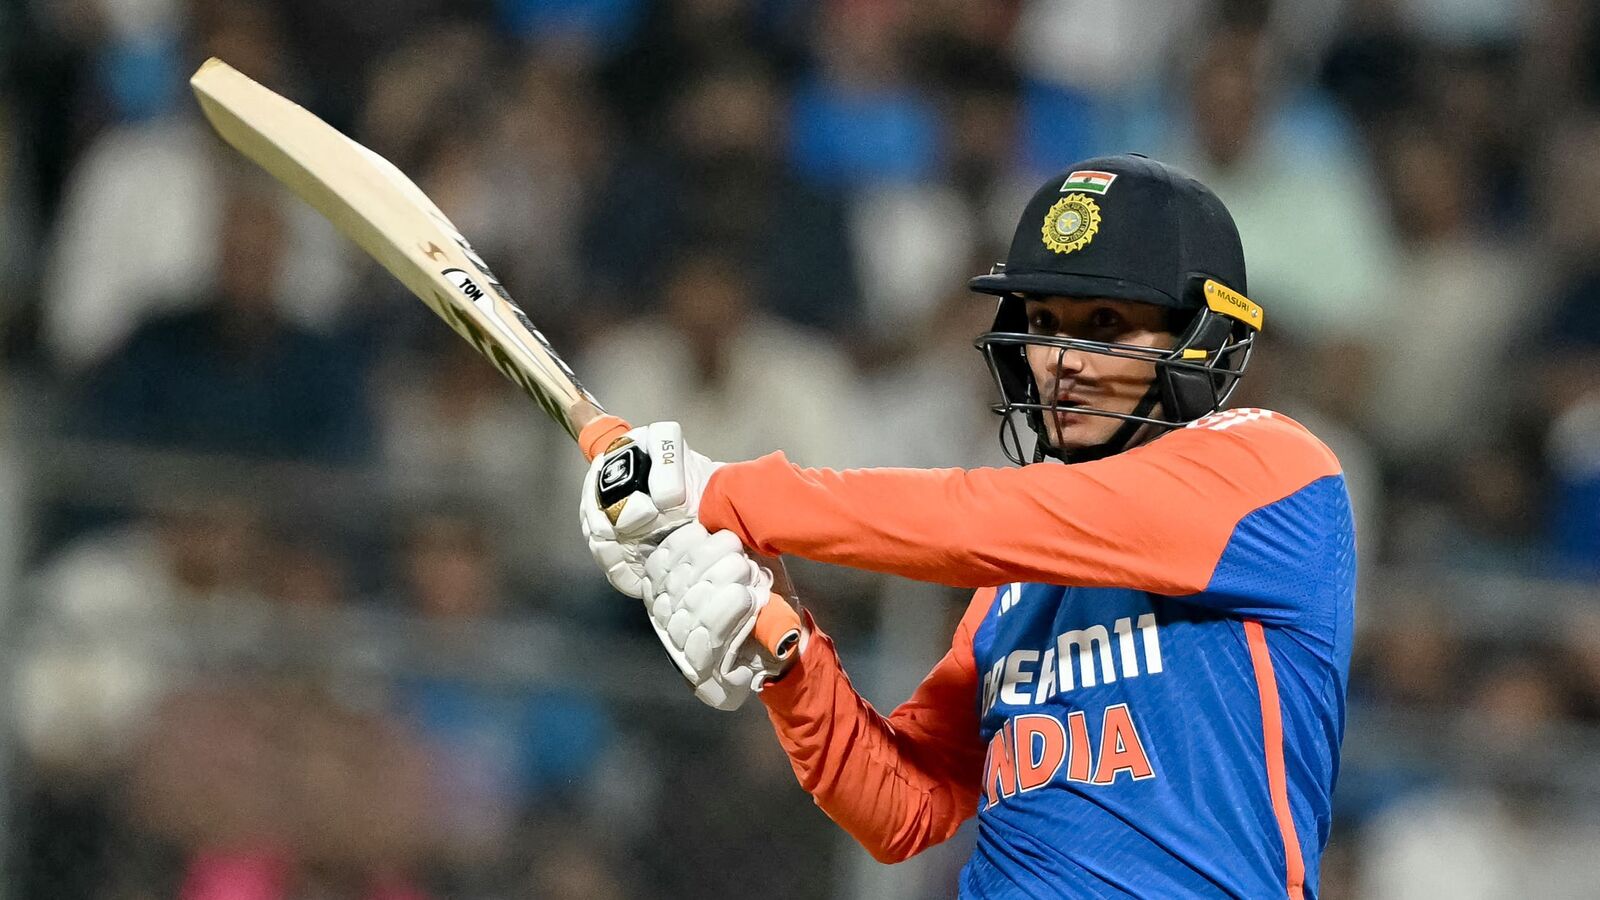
(1125, 228)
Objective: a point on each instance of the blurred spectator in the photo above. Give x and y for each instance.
(741, 383)
(984, 166)
(576, 868)
(734, 190)
(1409, 661)
(914, 243)
(1101, 47)
(1580, 651)
(678, 42)
(1476, 22)
(1561, 68)
(1092, 69)
(1304, 200)
(135, 235)
(304, 573)
(927, 405)
(274, 790)
(746, 801)
(134, 231)
(595, 215)
(1562, 355)
(233, 375)
(911, 244)
(1473, 93)
(1477, 510)
(541, 144)
(122, 615)
(859, 121)
(1458, 293)
(1574, 460)
(337, 43)
(412, 87)
(455, 431)
(1373, 64)
(1474, 843)
(15, 519)
(492, 749)
(120, 620)
(1473, 840)
(13, 216)
(545, 151)
(599, 26)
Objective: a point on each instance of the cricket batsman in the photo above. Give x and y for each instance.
(1146, 695)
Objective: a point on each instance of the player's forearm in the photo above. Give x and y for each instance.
(862, 772)
(965, 528)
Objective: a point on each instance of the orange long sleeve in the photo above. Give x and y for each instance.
(899, 784)
(1155, 518)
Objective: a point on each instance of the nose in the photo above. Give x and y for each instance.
(1067, 362)
(1054, 366)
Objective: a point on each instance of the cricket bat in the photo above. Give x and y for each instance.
(377, 206)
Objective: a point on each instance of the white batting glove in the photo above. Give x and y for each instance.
(708, 593)
(634, 495)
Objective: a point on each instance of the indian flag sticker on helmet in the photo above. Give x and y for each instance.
(1091, 180)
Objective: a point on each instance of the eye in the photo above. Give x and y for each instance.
(1043, 321)
(1104, 318)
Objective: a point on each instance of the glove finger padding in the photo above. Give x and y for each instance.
(626, 580)
(707, 595)
(673, 550)
(660, 611)
(700, 649)
(731, 569)
(711, 550)
(619, 568)
(724, 696)
(723, 609)
(706, 621)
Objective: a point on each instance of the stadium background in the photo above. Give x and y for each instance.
(294, 599)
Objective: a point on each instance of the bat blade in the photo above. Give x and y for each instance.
(377, 206)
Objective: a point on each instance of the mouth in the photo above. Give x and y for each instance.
(1069, 409)
(1066, 413)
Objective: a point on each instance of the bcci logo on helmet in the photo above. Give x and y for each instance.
(1071, 223)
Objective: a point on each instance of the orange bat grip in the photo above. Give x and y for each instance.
(777, 625)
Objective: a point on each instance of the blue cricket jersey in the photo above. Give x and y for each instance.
(1145, 699)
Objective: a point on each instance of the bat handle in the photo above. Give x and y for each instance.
(600, 433)
(778, 625)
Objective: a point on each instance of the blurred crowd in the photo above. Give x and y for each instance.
(296, 604)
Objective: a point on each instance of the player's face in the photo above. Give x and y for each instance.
(1074, 378)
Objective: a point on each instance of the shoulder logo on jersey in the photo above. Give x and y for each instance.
(1229, 418)
(1071, 223)
(1010, 596)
